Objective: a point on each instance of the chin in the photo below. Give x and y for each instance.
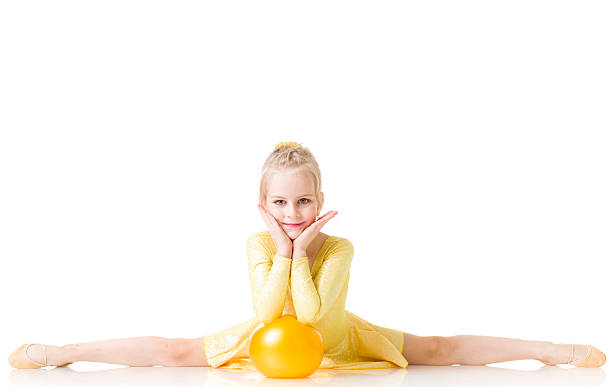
(293, 234)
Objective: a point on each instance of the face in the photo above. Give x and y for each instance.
(291, 200)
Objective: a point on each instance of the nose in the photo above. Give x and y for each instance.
(292, 211)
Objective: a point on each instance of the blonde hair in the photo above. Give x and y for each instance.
(290, 155)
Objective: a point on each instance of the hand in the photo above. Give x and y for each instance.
(302, 242)
(284, 245)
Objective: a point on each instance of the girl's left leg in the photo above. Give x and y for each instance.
(486, 349)
(481, 350)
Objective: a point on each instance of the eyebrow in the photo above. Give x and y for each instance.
(276, 196)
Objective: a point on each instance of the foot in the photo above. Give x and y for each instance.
(55, 355)
(36, 353)
(580, 355)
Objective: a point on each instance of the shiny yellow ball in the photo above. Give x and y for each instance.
(286, 348)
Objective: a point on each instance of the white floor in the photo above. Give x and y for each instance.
(518, 373)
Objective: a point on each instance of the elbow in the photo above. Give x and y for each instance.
(262, 318)
(307, 314)
(266, 317)
(307, 319)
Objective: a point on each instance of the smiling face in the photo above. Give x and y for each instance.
(291, 200)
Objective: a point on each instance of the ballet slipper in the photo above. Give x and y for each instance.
(20, 358)
(594, 358)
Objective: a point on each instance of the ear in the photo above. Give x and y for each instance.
(321, 201)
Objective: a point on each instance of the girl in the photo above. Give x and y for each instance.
(296, 269)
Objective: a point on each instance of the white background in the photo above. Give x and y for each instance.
(465, 145)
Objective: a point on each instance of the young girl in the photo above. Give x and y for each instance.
(296, 269)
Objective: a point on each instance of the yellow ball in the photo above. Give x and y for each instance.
(286, 348)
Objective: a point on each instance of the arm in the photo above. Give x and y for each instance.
(312, 299)
(269, 280)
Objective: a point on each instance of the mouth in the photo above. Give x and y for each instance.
(293, 225)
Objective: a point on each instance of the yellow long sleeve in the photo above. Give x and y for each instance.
(269, 279)
(317, 296)
(313, 299)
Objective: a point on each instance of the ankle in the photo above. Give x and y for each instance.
(550, 353)
(58, 355)
(65, 354)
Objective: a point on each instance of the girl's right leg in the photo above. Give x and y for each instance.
(144, 351)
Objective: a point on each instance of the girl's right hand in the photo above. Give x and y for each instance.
(284, 245)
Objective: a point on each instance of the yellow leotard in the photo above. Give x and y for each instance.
(280, 286)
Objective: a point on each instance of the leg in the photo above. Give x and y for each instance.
(472, 350)
(142, 351)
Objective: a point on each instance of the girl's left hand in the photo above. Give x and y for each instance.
(302, 242)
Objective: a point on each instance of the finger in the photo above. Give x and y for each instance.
(323, 220)
(266, 213)
(262, 212)
(271, 220)
(328, 216)
(267, 218)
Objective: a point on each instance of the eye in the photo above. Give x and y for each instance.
(280, 200)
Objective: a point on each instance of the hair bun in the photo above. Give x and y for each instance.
(281, 145)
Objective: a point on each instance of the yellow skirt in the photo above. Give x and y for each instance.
(365, 346)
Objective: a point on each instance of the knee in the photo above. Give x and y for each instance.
(440, 349)
(177, 350)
